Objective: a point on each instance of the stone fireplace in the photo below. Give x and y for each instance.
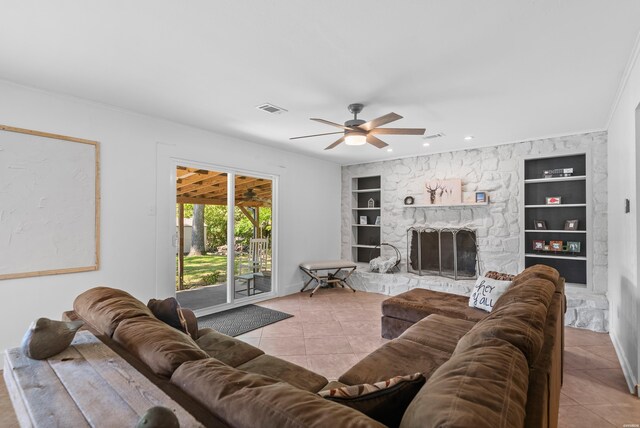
(449, 252)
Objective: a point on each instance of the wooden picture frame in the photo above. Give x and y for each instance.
(571, 225)
(539, 225)
(538, 245)
(555, 245)
(52, 184)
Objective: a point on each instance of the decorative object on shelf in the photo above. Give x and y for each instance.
(377, 223)
(382, 263)
(555, 245)
(538, 245)
(46, 338)
(444, 192)
(481, 197)
(546, 248)
(553, 200)
(573, 246)
(409, 200)
(371, 203)
(539, 225)
(363, 219)
(571, 225)
(558, 172)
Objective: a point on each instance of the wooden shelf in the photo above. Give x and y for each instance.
(554, 231)
(474, 204)
(365, 225)
(555, 256)
(365, 190)
(556, 206)
(555, 179)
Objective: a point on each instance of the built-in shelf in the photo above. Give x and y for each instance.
(365, 225)
(363, 246)
(474, 204)
(554, 179)
(556, 206)
(554, 231)
(365, 190)
(555, 256)
(365, 208)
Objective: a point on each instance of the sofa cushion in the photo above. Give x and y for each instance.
(396, 358)
(103, 308)
(486, 292)
(483, 387)
(159, 346)
(244, 399)
(285, 371)
(225, 348)
(438, 332)
(413, 305)
(383, 401)
(521, 322)
(540, 271)
(170, 312)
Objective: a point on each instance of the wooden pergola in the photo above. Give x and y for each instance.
(200, 186)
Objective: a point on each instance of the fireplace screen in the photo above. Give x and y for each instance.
(446, 252)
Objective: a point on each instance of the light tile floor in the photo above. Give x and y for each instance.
(334, 329)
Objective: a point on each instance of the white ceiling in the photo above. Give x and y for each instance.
(501, 70)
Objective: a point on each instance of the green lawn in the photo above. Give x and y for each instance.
(201, 270)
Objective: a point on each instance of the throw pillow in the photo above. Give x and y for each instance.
(383, 401)
(169, 312)
(486, 292)
(492, 274)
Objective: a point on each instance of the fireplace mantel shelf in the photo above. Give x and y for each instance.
(473, 204)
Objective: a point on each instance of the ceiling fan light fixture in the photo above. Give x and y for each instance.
(355, 139)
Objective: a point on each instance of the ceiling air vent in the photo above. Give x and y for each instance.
(270, 108)
(432, 136)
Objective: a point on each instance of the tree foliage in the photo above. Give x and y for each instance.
(215, 221)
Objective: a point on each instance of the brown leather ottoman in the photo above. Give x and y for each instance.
(402, 311)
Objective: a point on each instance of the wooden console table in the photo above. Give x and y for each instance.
(86, 385)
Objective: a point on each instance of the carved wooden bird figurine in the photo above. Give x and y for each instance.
(46, 338)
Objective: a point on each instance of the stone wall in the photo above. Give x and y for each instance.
(496, 170)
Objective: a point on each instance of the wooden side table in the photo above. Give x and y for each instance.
(87, 384)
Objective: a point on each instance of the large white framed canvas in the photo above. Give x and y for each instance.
(443, 192)
(49, 203)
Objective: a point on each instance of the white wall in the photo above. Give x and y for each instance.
(308, 205)
(624, 161)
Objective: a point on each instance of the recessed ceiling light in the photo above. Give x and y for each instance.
(426, 144)
(468, 138)
(389, 149)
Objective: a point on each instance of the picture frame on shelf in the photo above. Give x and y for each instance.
(553, 200)
(538, 245)
(555, 245)
(571, 225)
(573, 246)
(539, 225)
(546, 248)
(481, 197)
(363, 219)
(371, 203)
(377, 223)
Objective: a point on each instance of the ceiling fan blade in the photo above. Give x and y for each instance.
(332, 124)
(376, 141)
(398, 131)
(335, 143)
(316, 135)
(382, 120)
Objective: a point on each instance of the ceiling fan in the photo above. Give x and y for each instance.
(358, 132)
(251, 195)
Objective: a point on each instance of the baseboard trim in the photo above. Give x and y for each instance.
(290, 289)
(626, 367)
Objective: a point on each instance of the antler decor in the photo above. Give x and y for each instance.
(433, 190)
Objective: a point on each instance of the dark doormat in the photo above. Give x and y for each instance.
(237, 321)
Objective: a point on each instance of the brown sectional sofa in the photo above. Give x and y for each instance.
(504, 370)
